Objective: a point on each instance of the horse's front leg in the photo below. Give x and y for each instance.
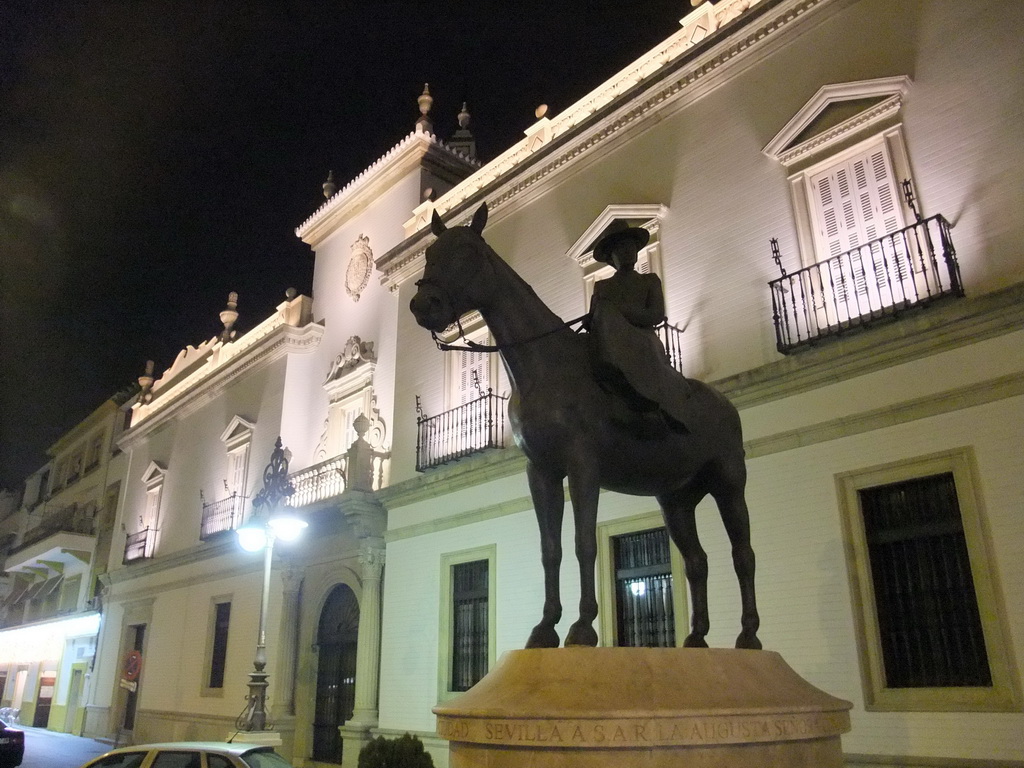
(549, 504)
(584, 490)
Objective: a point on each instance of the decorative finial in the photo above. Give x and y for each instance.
(540, 111)
(228, 316)
(426, 101)
(146, 383)
(329, 186)
(463, 141)
(290, 293)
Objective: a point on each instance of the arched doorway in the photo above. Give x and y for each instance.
(336, 671)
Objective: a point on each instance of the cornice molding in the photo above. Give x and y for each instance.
(415, 150)
(190, 396)
(666, 79)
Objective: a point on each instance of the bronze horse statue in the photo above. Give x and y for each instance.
(568, 426)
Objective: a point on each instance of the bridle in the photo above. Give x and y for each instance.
(472, 346)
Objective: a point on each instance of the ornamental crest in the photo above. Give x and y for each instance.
(360, 265)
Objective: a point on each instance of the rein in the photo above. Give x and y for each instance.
(472, 346)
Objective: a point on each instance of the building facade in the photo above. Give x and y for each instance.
(811, 175)
(56, 543)
(832, 192)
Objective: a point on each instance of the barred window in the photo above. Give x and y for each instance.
(924, 593)
(469, 624)
(927, 609)
(219, 649)
(643, 590)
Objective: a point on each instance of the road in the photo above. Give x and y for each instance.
(47, 749)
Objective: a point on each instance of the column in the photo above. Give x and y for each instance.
(288, 638)
(371, 560)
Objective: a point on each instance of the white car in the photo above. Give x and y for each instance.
(191, 754)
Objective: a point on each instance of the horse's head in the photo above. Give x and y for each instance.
(455, 276)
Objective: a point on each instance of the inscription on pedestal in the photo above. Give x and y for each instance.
(607, 733)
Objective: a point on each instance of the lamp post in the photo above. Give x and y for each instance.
(271, 520)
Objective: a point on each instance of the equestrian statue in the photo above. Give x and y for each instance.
(596, 409)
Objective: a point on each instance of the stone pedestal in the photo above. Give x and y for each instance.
(649, 707)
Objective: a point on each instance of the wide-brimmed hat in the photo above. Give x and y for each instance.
(615, 233)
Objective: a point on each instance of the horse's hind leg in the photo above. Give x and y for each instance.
(549, 504)
(733, 508)
(679, 511)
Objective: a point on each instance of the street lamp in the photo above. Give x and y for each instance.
(270, 520)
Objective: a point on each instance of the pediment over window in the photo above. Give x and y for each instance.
(238, 429)
(647, 215)
(154, 474)
(836, 112)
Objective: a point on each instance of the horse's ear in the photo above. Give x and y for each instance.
(436, 225)
(479, 219)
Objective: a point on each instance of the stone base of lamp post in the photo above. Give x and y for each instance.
(262, 738)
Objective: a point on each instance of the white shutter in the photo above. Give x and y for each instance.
(856, 202)
(643, 263)
(468, 362)
(152, 507)
(236, 470)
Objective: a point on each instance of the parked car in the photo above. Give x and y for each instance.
(12, 746)
(191, 754)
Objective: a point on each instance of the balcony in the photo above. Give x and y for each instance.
(464, 430)
(138, 546)
(910, 268)
(319, 482)
(72, 519)
(360, 468)
(220, 516)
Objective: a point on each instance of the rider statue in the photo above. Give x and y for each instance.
(624, 311)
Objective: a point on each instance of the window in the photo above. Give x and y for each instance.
(349, 387)
(149, 520)
(470, 374)
(928, 616)
(75, 466)
(642, 587)
(644, 612)
(648, 260)
(237, 438)
(69, 594)
(177, 760)
(92, 454)
(221, 620)
(121, 760)
(217, 761)
(467, 619)
(847, 158)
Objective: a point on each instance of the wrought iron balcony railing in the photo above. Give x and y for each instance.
(138, 546)
(909, 268)
(672, 339)
(72, 519)
(222, 515)
(461, 431)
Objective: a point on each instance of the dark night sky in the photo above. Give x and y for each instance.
(156, 155)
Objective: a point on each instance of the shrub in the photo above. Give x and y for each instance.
(405, 752)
